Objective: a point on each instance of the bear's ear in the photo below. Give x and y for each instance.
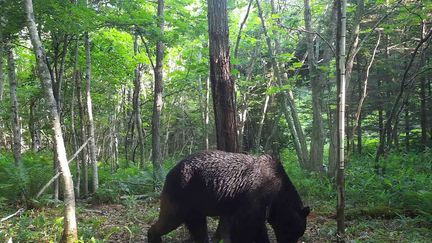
(305, 211)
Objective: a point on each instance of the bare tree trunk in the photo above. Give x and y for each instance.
(70, 227)
(74, 134)
(158, 102)
(407, 127)
(222, 83)
(1, 70)
(16, 124)
(83, 134)
(91, 129)
(364, 90)
(423, 110)
(341, 84)
(136, 104)
(207, 114)
(2, 134)
(33, 127)
(317, 136)
(267, 102)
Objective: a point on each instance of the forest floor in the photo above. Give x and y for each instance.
(130, 220)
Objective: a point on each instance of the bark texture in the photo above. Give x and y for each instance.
(16, 124)
(158, 91)
(91, 129)
(222, 84)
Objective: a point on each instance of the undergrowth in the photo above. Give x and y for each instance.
(402, 194)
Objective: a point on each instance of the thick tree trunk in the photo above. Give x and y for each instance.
(158, 102)
(222, 83)
(70, 227)
(341, 84)
(91, 129)
(317, 136)
(16, 124)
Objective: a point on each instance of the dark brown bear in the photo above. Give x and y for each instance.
(244, 190)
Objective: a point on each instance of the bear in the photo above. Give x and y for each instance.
(243, 190)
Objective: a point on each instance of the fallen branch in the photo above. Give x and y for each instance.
(137, 197)
(17, 213)
(59, 173)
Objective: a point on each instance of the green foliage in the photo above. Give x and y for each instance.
(403, 189)
(28, 179)
(124, 182)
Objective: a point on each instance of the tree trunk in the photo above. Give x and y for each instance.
(207, 114)
(317, 136)
(16, 124)
(91, 129)
(83, 134)
(158, 91)
(1, 71)
(267, 102)
(33, 127)
(341, 83)
(407, 127)
(136, 104)
(73, 129)
(70, 227)
(287, 103)
(423, 114)
(222, 84)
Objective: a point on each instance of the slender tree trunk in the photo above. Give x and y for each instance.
(423, 113)
(3, 142)
(83, 134)
(74, 133)
(91, 129)
(407, 127)
(363, 93)
(136, 104)
(429, 101)
(287, 103)
(267, 102)
(158, 91)
(222, 83)
(33, 127)
(207, 114)
(341, 84)
(16, 124)
(70, 227)
(1, 71)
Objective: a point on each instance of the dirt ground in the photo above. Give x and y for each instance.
(119, 223)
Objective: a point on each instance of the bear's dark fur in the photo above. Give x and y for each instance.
(244, 190)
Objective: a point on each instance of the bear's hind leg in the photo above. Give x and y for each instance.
(169, 219)
(197, 226)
